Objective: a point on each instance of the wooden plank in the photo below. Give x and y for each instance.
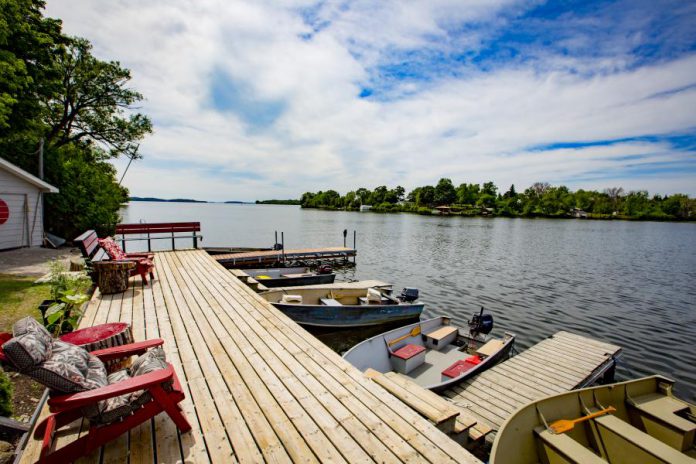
(286, 374)
(204, 335)
(270, 317)
(444, 416)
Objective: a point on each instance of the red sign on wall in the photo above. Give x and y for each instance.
(4, 212)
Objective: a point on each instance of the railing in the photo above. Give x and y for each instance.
(169, 228)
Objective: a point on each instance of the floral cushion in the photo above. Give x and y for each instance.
(112, 249)
(31, 344)
(67, 368)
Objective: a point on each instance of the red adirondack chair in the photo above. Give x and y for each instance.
(112, 409)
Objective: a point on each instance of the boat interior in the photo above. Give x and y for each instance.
(430, 352)
(637, 421)
(332, 297)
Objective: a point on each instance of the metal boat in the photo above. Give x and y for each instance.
(433, 353)
(291, 276)
(639, 421)
(349, 306)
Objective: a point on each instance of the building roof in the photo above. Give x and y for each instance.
(22, 174)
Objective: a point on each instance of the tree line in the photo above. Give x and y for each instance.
(55, 94)
(539, 200)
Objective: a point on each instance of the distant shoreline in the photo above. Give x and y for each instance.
(186, 200)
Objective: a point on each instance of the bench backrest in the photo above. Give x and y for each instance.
(158, 228)
(88, 243)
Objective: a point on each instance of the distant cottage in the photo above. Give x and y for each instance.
(21, 207)
(578, 213)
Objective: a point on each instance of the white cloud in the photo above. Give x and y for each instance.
(473, 128)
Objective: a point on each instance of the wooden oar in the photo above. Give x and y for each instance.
(565, 425)
(414, 331)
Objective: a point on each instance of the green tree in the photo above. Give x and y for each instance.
(467, 194)
(92, 103)
(445, 194)
(425, 196)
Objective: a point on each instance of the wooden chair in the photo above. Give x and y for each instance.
(112, 409)
(95, 249)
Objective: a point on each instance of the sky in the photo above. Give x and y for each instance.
(269, 99)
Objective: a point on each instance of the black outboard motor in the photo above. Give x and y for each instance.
(409, 294)
(480, 324)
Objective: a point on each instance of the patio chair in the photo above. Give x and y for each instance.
(79, 387)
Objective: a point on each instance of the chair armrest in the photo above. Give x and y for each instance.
(141, 382)
(140, 255)
(123, 351)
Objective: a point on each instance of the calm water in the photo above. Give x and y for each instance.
(628, 283)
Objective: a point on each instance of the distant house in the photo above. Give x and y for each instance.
(365, 207)
(21, 207)
(578, 213)
(443, 210)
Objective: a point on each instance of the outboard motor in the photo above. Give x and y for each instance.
(409, 294)
(324, 269)
(277, 247)
(480, 324)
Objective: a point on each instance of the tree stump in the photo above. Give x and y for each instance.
(77, 263)
(112, 276)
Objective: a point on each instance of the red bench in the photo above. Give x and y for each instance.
(171, 229)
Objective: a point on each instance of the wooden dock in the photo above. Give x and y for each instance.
(274, 257)
(258, 386)
(557, 364)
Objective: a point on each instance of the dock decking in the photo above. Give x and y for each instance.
(258, 386)
(270, 257)
(557, 364)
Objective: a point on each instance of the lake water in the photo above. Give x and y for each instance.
(628, 283)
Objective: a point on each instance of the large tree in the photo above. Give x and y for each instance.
(53, 88)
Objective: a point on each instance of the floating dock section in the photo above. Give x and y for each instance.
(275, 257)
(258, 387)
(560, 363)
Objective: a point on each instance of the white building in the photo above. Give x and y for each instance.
(21, 215)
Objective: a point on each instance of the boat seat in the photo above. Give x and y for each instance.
(407, 358)
(461, 366)
(624, 443)
(561, 448)
(490, 348)
(438, 339)
(363, 300)
(330, 302)
(658, 414)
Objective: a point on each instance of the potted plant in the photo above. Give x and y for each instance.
(61, 313)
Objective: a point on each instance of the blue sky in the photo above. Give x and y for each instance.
(255, 100)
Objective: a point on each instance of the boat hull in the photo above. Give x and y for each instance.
(349, 315)
(317, 279)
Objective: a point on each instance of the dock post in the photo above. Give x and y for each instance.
(123, 242)
(173, 244)
(275, 243)
(282, 240)
(149, 244)
(355, 246)
(195, 240)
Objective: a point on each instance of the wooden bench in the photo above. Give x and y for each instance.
(562, 448)
(621, 439)
(329, 302)
(490, 348)
(428, 404)
(169, 229)
(659, 416)
(441, 337)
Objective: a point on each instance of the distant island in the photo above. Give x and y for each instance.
(539, 200)
(173, 200)
(278, 202)
(237, 202)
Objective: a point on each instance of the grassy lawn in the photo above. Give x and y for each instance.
(19, 297)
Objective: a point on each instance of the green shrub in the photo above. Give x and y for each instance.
(5, 395)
